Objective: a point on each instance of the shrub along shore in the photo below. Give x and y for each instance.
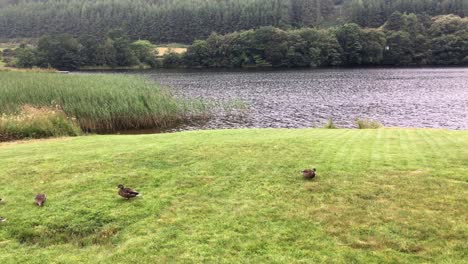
(404, 40)
(93, 103)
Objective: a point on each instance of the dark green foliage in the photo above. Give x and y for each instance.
(374, 13)
(450, 40)
(417, 40)
(60, 52)
(173, 60)
(395, 22)
(144, 52)
(26, 57)
(399, 49)
(166, 21)
(106, 54)
(350, 38)
(90, 48)
(265, 47)
(157, 20)
(373, 46)
(124, 55)
(64, 52)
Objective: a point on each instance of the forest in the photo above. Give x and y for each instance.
(404, 40)
(182, 21)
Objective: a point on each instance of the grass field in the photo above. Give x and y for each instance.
(98, 102)
(381, 196)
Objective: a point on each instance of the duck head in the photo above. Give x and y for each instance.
(120, 186)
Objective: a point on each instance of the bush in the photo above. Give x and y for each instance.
(26, 58)
(34, 122)
(144, 52)
(9, 62)
(368, 124)
(330, 124)
(173, 59)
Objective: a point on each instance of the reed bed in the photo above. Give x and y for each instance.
(34, 122)
(98, 102)
(368, 124)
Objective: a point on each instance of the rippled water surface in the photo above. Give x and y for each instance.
(429, 98)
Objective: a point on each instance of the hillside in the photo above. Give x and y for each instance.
(164, 21)
(381, 196)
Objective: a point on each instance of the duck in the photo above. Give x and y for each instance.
(2, 219)
(127, 193)
(40, 199)
(309, 174)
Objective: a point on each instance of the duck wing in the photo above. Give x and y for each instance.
(130, 191)
(40, 198)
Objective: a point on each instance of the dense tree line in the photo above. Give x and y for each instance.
(373, 13)
(164, 21)
(405, 40)
(65, 52)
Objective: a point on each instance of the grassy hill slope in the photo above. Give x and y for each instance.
(387, 195)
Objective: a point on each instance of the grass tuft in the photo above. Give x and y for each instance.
(368, 124)
(330, 124)
(34, 122)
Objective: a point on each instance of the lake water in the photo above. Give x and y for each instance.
(423, 98)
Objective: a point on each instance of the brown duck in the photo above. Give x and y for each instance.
(127, 193)
(40, 199)
(309, 174)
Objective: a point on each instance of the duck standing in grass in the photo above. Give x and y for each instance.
(309, 174)
(2, 219)
(127, 193)
(40, 199)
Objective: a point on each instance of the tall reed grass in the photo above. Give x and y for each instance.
(98, 102)
(34, 122)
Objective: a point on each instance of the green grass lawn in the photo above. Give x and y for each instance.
(381, 196)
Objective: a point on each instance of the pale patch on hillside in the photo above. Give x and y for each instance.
(165, 50)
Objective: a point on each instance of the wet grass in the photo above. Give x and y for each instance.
(381, 196)
(98, 102)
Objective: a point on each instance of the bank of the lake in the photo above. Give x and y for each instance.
(381, 196)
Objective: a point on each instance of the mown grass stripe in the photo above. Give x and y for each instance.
(237, 196)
